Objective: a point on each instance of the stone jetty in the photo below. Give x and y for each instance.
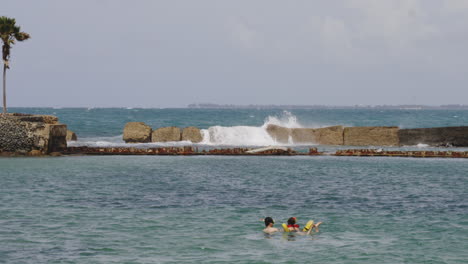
(25, 134)
(33, 135)
(436, 136)
(186, 151)
(138, 132)
(371, 136)
(269, 151)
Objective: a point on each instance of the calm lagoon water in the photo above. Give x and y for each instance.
(162, 209)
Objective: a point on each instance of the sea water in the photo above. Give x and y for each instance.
(207, 209)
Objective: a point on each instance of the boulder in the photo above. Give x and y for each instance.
(137, 132)
(58, 137)
(279, 134)
(371, 136)
(330, 135)
(166, 134)
(71, 136)
(436, 136)
(325, 136)
(304, 135)
(192, 134)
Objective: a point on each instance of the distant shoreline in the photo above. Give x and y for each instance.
(272, 106)
(383, 107)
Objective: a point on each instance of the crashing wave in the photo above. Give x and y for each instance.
(248, 135)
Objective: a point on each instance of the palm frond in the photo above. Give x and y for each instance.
(9, 31)
(21, 36)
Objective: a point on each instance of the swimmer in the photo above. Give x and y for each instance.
(269, 229)
(293, 227)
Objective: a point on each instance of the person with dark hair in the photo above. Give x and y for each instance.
(269, 222)
(293, 227)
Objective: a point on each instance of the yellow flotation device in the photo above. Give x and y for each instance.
(308, 226)
(285, 227)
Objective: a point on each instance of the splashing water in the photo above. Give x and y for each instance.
(287, 119)
(248, 135)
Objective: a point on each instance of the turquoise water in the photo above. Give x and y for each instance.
(206, 209)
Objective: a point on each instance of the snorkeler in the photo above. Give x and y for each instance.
(269, 229)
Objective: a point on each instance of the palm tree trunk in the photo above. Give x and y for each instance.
(4, 89)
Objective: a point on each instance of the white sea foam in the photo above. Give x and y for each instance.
(420, 145)
(248, 135)
(287, 119)
(237, 135)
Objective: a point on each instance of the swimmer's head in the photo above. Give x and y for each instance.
(292, 221)
(269, 220)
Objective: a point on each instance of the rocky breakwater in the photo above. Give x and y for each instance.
(166, 134)
(187, 150)
(336, 135)
(324, 136)
(399, 153)
(371, 136)
(26, 134)
(139, 132)
(192, 134)
(436, 136)
(71, 136)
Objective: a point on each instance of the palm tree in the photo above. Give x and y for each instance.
(9, 33)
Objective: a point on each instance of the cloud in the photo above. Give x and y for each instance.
(455, 6)
(351, 33)
(244, 35)
(396, 22)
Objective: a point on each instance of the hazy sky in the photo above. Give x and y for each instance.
(172, 53)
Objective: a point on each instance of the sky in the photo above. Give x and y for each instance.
(150, 53)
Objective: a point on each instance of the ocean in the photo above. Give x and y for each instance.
(207, 209)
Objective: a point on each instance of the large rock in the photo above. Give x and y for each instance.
(57, 137)
(14, 136)
(330, 135)
(71, 136)
(279, 134)
(22, 133)
(324, 136)
(137, 132)
(166, 134)
(436, 136)
(371, 136)
(303, 135)
(192, 134)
